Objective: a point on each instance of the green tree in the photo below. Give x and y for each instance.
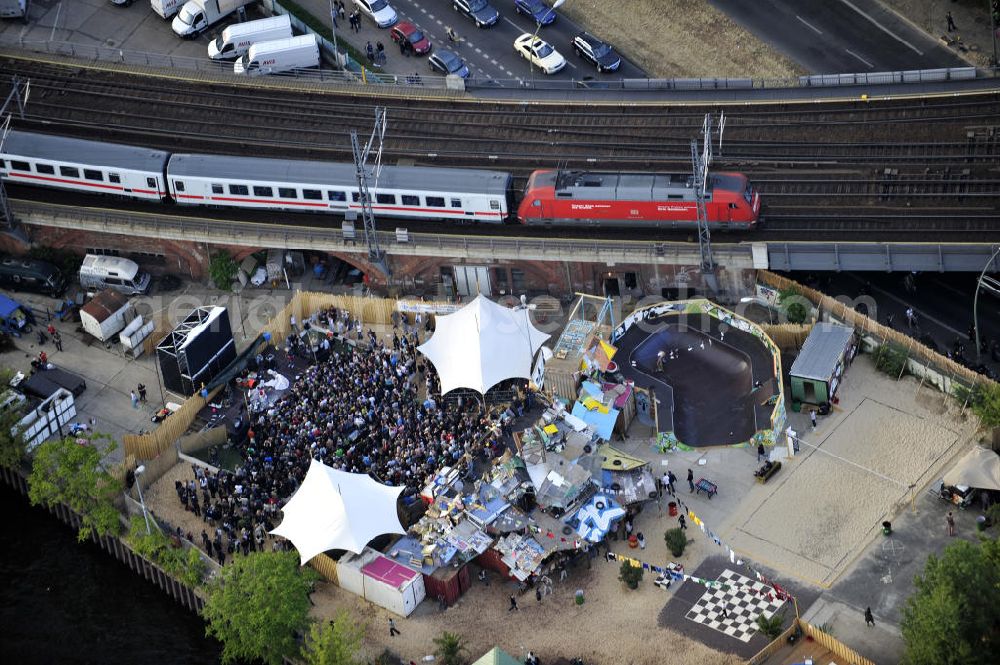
(676, 540)
(222, 269)
(953, 617)
(334, 643)
(794, 306)
(771, 626)
(257, 605)
(630, 575)
(450, 647)
(12, 443)
(986, 404)
(70, 471)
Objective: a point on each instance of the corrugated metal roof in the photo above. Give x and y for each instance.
(458, 181)
(81, 151)
(819, 354)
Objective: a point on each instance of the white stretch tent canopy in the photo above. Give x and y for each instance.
(482, 344)
(336, 510)
(980, 468)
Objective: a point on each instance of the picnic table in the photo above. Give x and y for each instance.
(706, 486)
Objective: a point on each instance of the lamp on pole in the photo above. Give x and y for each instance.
(333, 33)
(139, 470)
(538, 26)
(993, 286)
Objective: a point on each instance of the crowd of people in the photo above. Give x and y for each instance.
(368, 406)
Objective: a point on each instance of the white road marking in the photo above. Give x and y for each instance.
(810, 25)
(882, 27)
(870, 65)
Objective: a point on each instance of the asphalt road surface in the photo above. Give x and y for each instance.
(841, 36)
(489, 52)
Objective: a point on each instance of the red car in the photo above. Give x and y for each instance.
(414, 35)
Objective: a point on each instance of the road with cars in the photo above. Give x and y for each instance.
(489, 52)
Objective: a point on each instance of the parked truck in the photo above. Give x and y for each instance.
(281, 55)
(166, 8)
(14, 9)
(195, 16)
(15, 318)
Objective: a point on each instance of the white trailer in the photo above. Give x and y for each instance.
(236, 39)
(380, 580)
(197, 15)
(166, 8)
(278, 56)
(14, 9)
(52, 417)
(106, 314)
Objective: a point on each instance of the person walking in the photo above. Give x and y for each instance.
(869, 619)
(642, 541)
(682, 521)
(538, 594)
(57, 340)
(761, 453)
(951, 22)
(483, 577)
(562, 573)
(691, 480)
(950, 519)
(142, 392)
(135, 399)
(812, 418)
(393, 631)
(513, 604)
(659, 360)
(673, 479)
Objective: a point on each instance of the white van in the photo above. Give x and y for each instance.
(236, 39)
(277, 56)
(113, 272)
(166, 8)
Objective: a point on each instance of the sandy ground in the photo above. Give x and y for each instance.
(971, 19)
(677, 45)
(879, 441)
(614, 625)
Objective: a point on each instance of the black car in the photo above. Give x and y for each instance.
(596, 51)
(483, 13)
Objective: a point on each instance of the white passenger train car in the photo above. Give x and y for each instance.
(279, 184)
(84, 166)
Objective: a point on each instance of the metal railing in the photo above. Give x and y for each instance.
(367, 77)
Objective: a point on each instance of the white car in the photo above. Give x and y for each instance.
(540, 53)
(379, 11)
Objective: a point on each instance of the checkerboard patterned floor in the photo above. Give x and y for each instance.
(734, 610)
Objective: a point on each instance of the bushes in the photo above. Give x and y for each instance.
(676, 541)
(771, 626)
(630, 575)
(890, 360)
(186, 565)
(222, 270)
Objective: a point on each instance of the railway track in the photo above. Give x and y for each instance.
(907, 167)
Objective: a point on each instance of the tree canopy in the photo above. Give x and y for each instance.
(70, 471)
(986, 404)
(257, 605)
(337, 642)
(12, 444)
(953, 618)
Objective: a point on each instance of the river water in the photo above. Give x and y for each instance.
(67, 602)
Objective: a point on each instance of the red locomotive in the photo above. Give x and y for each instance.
(660, 200)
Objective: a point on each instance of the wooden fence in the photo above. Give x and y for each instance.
(787, 335)
(148, 446)
(843, 651)
(325, 566)
(948, 370)
(827, 641)
(192, 443)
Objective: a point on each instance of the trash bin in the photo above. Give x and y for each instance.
(672, 508)
(981, 523)
(886, 528)
(579, 596)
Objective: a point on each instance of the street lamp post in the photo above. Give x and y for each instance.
(993, 286)
(538, 26)
(139, 470)
(333, 33)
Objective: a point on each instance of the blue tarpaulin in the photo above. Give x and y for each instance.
(604, 423)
